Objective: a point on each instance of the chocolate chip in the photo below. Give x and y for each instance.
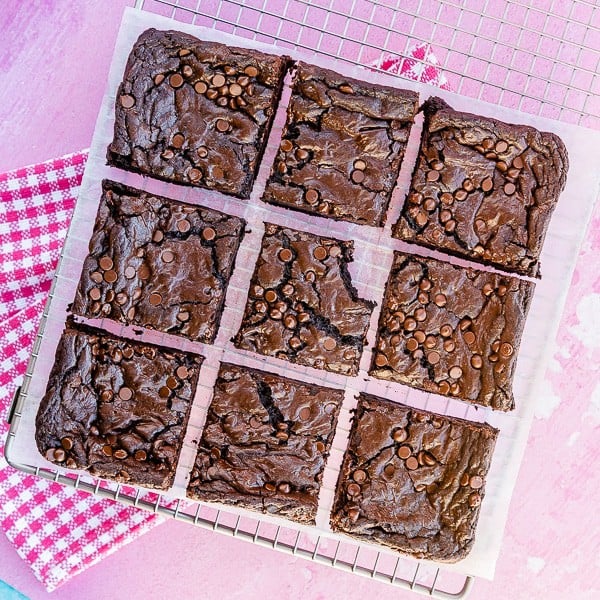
(346, 89)
(440, 300)
(155, 299)
(301, 154)
(426, 459)
(140, 455)
(420, 314)
(187, 71)
(518, 162)
(506, 349)
(510, 189)
(125, 393)
(194, 175)
(461, 195)
(222, 125)
(381, 360)
(474, 500)
(95, 294)
(389, 470)
(447, 199)
(218, 80)
(286, 146)
(157, 237)
(404, 452)
(360, 164)
(450, 226)
(172, 382)
(184, 225)
(468, 185)
(176, 80)
(158, 79)
(167, 257)
(359, 476)
(430, 204)
(433, 358)
(251, 71)
(106, 263)
(357, 176)
(446, 330)
(480, 225)
(412, 463)
(127, 101)
(168, 154)
(412, 344)
(445, 215)
(66, 443)
(285, 255)
(182, 372)
(410, 324)
(235, 89)
(353, 489)
(443, 387)
(501, 146)
(212, 94)
(110, 276)
(455, 372)
(184, 52)
(183, 316)
(295, 343)
(399, 435)
(437, 165)
(329, 344)
(120, 454)
(270, 296)
(200, 87)
(320, 253)
(476, 482)
(421, 219)
(96, 277)
(487, 184)
(107, 450)
(501, 166)
(469, 337)
(433, 175)
(430, 341)
(164, 392)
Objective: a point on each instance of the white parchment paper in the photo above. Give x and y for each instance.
(373, 258)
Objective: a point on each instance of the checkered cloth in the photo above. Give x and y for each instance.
(60, 531)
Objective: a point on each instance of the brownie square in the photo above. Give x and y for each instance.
(483, 189)
(195, 112)
(158, 263)
(117, 408)
(451, 330)
(342, 146)
(265, 443)
(413, 480)
(302, 306)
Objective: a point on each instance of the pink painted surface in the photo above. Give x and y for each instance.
(54, 58)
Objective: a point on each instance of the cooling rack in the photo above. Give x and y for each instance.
(540, 57)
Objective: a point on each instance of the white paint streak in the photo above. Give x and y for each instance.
(588, 313)
(547, 401)
(535, 564)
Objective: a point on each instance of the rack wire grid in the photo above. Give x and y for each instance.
(538, 56)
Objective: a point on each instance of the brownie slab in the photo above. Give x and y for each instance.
(483, 189)
(158, 263)
(302, 306)
(413, 480)
(342, 146)
(451, 330)
(265, 443)
(116, 408)
(195, 112)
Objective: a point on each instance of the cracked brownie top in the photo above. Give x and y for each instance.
(158, 263)
(117, 408)
(451, 330)
(265, 443)
(302, 306)
(413, 480)
(483, 189)
(342, 146)
(195, 112)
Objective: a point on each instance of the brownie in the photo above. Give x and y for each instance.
(195, 112)
(451, 330)
(413, 480)
(116, 408)
(265, 443)
(158, 263)
(342, 146)
(483, 189)
(302, 306)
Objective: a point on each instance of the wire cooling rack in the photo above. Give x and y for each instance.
(541, 57)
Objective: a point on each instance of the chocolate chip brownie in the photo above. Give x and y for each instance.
(158, 263)
(265, 443)
(302, 306)
(451, 330)
(116, 408)
(483, 189)
(413, 480)
(195, 112)
(342, 146)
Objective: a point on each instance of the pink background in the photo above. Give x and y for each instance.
(54, 58)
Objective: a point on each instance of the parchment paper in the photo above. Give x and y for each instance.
(373, 258)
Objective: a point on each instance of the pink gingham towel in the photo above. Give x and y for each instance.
(57, 530)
